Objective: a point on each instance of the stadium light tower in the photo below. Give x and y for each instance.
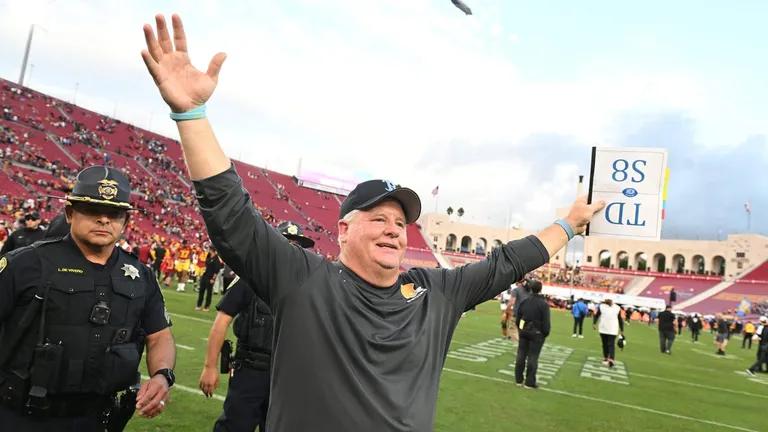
(26, 55)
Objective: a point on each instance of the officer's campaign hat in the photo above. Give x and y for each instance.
(372, 192)
(101, 185)
(291, 231)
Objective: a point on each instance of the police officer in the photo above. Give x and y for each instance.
(76, 313)
(248, 393)
(25, 236)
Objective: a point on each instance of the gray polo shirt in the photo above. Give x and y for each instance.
(348, 356)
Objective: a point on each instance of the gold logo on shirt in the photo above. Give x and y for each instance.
(3, 264)
(407, 291)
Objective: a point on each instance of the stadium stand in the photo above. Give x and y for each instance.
(44, 142)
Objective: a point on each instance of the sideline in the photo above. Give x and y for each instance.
(609, 402)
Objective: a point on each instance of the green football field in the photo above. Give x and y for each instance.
(691, 390)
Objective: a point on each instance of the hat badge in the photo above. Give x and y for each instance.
(108, 189)
(293, 230)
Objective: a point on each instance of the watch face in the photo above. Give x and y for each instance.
(168, 374)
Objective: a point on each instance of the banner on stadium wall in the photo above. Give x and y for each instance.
(598, 297)
(633, 184)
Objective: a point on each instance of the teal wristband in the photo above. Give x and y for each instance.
(193, 114)
(567, 228)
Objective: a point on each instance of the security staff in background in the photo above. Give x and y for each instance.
(533, 323)
(25, 236)
(248, 394)
(76, 313)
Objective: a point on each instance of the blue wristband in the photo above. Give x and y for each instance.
(193, 114)
(567, 228)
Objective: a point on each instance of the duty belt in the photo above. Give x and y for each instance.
(245, 358)
(70, 406)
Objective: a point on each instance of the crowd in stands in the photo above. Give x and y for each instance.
(34, 125)
(581, 279)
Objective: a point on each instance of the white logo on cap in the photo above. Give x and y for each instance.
(390, 186)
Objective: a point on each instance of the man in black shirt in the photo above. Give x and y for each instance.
(248, 393)
(532, 321)
(372, 356)
(723, 333)
(213, 265)
(25, 236)
(666, 330)
(762, 349)
(159, 252)
(75, 315)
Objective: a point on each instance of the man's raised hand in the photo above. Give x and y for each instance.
(181, 85)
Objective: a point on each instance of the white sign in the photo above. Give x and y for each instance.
(631, 182)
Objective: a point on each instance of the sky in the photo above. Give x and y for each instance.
(500, 109)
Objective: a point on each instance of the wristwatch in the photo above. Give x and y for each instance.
(168, 375)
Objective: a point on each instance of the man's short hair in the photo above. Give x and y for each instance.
(534, 286)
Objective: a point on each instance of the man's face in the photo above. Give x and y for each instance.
(377, 236)
(31, 223)
(96, 226)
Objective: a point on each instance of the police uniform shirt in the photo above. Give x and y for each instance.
(20, 273)
(237, 299)
(349, 356)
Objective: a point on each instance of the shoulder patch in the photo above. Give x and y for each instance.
(3, 263)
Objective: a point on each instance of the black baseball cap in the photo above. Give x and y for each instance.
(370, 193)
(32, 216)
(291, 231)
(101, 185)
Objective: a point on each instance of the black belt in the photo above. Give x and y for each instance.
(251, 359)
(70, 406)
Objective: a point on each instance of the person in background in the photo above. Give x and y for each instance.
(213, 265)
(762, 350)
(579, 312)
(666, 330)
(695, 325)
(611, 325)
(749, 331)
(31, 233)
(723, 329)
(532, 321)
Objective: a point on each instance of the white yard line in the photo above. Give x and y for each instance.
(722, 389)
(191, 318)
(186, 347)
(609, 402)
(191, 390)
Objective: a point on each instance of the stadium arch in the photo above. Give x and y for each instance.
(604, 258)
(659, 263)
(450, 242)
(678, 263)
(641, 261)
(481, 248)
(622, 260)
(718, 265)
(466, 244)
(698, 265)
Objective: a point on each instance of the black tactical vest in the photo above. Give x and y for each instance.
(253, 329)
(94, 315)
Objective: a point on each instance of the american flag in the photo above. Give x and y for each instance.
(435, 190)
(747, 207)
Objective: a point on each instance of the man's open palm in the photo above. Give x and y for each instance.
(181, 85)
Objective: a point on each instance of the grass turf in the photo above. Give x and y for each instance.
(690, 390)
